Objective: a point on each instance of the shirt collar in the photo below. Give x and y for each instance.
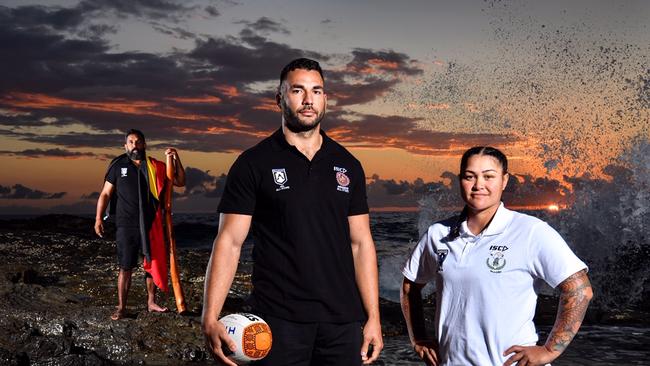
(499, 223)
(280, 142)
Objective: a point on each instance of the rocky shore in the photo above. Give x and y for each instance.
(57, 290)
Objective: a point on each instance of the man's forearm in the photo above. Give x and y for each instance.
(218, 278)
(102, 202)
(367, 278)
(575, 295)
(179, 178)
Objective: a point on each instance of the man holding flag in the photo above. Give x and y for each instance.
(134, 186)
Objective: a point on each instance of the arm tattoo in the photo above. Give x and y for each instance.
(574, 298)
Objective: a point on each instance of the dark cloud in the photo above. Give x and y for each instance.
(149, 9)
(366, 60)
(177, 32)
(78, 139)
(212, 11)
(199, 182)
(403, 133)
(522, 190)
(200, 100)
(344, 94)
(42, 17)
(369, 75)
(393, 187)
(391, 193)
(265, 25)
(53, 153)
(528, 190)
(90, 196)
(19, 191)
(252, 58)
(96, 31)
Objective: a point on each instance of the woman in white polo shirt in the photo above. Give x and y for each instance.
(487, 263)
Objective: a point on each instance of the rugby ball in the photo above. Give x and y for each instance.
(251, 335)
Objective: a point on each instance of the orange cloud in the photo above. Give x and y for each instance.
(267, 106)
(203, 99)
(391, 65)
(228, 90)
(42, 101)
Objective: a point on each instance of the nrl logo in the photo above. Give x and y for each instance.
(280, 178)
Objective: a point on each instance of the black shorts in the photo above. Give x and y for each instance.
(313, 344)
(129, 247)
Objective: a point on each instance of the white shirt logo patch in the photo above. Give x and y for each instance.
(280, 178)
(123, 171)
(496, 261)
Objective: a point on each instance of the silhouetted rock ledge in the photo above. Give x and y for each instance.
(58, 289)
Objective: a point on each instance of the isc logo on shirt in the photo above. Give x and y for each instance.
(497, 259)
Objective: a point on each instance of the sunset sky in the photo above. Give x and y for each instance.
(563, 87)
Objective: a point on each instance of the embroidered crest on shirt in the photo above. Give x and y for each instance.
(123, 171)
(496, 261)
(280, 178)
(342, 180)
(442, 254)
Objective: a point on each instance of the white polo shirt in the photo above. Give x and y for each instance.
(486, 284)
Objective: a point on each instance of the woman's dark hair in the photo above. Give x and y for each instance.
(454, 232)
(484, 150)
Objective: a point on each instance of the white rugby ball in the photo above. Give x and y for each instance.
(251, 335)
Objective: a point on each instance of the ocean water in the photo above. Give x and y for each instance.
(395, 234)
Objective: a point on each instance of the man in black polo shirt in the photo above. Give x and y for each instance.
(315, 271)
(135, 182)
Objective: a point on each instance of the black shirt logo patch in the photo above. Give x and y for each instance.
(280, 178)
(342, 180)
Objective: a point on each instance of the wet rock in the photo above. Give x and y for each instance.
(11, 358)
(58, 289)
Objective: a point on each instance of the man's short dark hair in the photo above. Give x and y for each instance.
(300, 64)
(133, 131)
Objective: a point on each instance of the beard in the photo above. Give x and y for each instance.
(295, 124)
(136, 154)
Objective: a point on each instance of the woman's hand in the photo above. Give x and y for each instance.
(529, 355)
(428, 352)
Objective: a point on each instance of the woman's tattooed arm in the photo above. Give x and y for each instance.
(575, 295)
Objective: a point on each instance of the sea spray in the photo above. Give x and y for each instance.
(606, 226)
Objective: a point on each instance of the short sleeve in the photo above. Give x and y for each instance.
(552, 259)
(239, 195)
(111, 174)
(421, 266)
(358, 198)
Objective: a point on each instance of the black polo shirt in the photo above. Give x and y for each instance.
(124, 175)
(304, 269)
